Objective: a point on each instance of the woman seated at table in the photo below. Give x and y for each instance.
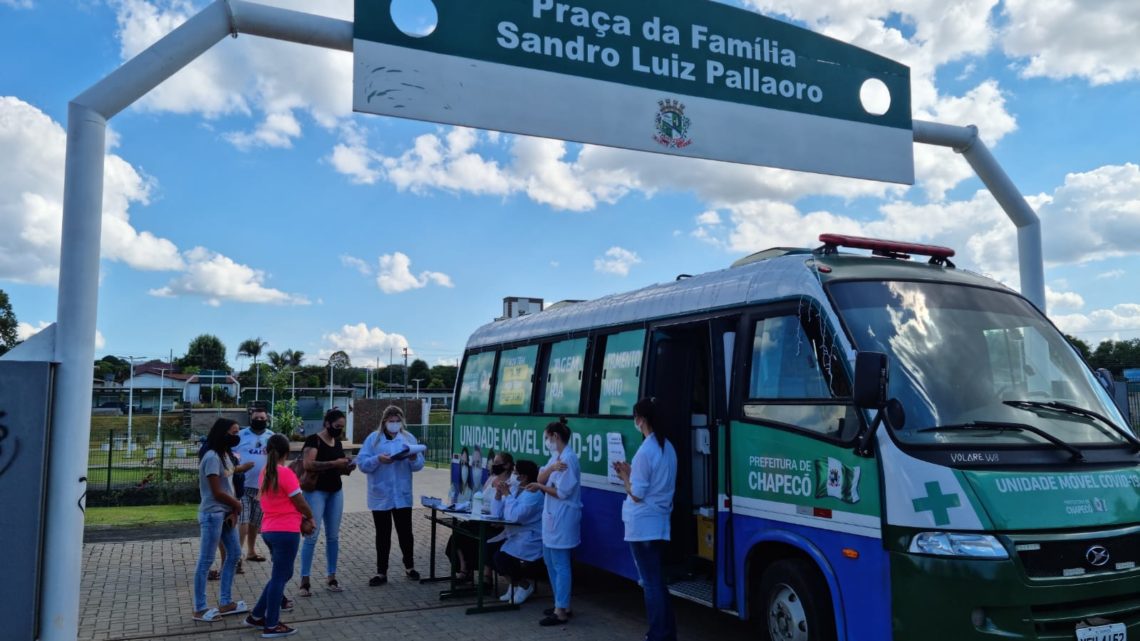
(520, 558)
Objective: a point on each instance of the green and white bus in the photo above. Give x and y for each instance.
(869, 447)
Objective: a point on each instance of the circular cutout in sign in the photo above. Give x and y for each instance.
(415, 18)
(875, 97)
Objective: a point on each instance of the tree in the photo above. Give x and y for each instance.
(251, 348)
(1081, 346)
(419, 369)
(1116, 356)
(288, 359)
(110, 366)
(340, 360)
(276, 360)
(9, 338)
(445, 374)
(205, 352)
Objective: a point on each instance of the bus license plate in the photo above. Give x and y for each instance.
(1112, 632)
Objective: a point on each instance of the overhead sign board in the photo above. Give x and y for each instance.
(686, 77)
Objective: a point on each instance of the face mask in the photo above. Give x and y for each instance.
(258, 425)
(549, 445)
(233, 440)
(334, 431)
(393, 427)
(498, 469)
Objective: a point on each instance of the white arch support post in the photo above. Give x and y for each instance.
(79, 262)
(79, 267)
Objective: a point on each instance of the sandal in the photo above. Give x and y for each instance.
(377, 580)
(305, 590)
(334, 586)
(213, 575)
(256, 558)
(207, 616)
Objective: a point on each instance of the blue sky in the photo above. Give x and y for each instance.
(245, 199)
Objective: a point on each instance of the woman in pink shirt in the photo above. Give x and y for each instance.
(285, 516)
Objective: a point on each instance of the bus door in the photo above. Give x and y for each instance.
(680, 368)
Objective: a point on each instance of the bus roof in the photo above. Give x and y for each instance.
(771, 275)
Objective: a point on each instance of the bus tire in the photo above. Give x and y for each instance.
(792, 603)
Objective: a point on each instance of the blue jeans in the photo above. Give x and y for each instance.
(283, 552)
(212, 531)
(658, 608)
(327, 508)
(558, 567)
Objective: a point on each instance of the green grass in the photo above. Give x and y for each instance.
(97, 476)
(141, 515)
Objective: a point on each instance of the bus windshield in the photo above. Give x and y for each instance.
(963, 355)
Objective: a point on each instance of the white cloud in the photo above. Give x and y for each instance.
(217, 278)
(710, 217)
(1118, 322)
(362, 342)
(24, 331)
(270, 80)
(31, 207)
(1098, 41)
(616, 260)
(1057, 301)
(1112, 273)
(1094, 215)
(395, 275)
(17, 4)
(359, 265)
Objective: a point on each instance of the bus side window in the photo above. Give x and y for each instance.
(515, 381)
(560, 384)
(475, 388)
(618, 373)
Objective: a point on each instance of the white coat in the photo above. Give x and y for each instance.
(562, 513)
(389, 484)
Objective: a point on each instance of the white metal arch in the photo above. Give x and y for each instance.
(74, 334)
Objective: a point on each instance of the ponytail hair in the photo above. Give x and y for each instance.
(278, 453)
(561, 428)
(646, 409)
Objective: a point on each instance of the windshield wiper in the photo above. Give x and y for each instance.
(1077, 411)
(1077, 455)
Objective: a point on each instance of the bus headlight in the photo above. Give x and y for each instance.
(970, 546)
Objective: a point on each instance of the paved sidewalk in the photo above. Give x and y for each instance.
(141, 590)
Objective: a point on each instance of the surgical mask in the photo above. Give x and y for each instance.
(258, 425)
(233, 440)
(498, 469)
(393, 427)
(548, 443)
(334, 431)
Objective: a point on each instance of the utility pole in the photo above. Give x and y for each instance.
(131, 405)
(417, 382)
(161, 386)
(405, 371)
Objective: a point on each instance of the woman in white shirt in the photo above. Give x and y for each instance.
(388, 457)
(560, 481)
(649, 483)
(520, 557)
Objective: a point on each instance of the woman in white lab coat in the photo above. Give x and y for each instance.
(560, 480)
(388, 457)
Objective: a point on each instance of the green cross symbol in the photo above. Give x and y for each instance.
(937, 503)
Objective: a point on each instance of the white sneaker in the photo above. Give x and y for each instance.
(522, 594)
(506, 596)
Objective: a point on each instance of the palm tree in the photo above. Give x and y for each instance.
(295, 357)
(252, 348)
(278, 360)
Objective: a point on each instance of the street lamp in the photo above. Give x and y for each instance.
(417, 382)
(293, 386)
(131, 404)
(161, 386)
(330, 362)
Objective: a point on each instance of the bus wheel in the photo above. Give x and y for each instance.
(792, 603)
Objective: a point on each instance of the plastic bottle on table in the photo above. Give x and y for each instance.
(477, 505)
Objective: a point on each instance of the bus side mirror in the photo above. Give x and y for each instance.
(871, 379)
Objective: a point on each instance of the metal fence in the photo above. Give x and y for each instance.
(1134, 404)
(148, 469)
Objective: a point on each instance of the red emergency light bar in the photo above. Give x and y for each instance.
(887, 248)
